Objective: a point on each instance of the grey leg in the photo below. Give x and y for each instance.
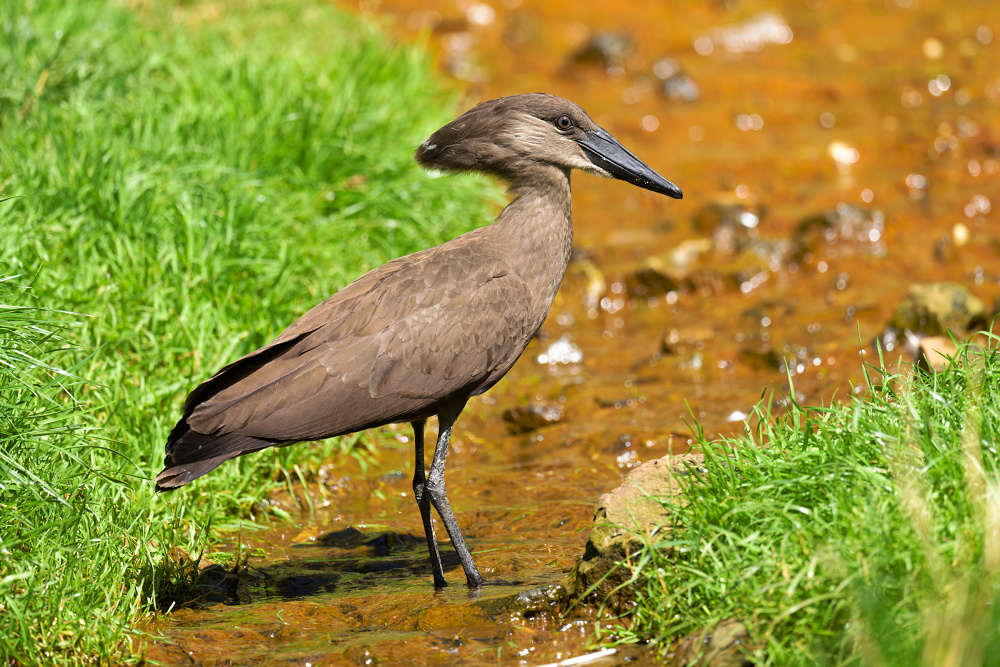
(424, 502)
(439, 497)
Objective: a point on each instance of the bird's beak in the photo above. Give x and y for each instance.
(605, 152)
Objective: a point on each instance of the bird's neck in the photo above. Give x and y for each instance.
(537, 231)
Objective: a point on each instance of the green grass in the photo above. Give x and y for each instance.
(866, 533)
(61, 495)
(190, 178)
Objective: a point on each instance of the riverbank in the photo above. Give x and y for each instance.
(188, 179)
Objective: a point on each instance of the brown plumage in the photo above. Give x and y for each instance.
(418, 336)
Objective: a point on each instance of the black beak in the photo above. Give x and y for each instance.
(605, 152)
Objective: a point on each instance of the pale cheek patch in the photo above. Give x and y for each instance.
(534, 134)
(592, 168)
(542, 140)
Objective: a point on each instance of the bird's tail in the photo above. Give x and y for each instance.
(191, 454)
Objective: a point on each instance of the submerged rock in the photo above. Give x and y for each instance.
(724, 646)
(760, 360)
(542, 601)
(732, 225)
(668, 272)
(675, 83)
(743, 271)
(653, 280)
(846, 223)
(732, 257)
(535, 415)
(933, 309)
(609, 49)
(344, 538)
(622, 519)
(933, 353)
(196, 582)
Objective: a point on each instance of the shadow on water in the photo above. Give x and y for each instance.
(351, 596)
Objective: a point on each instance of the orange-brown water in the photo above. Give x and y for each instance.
(889, 107)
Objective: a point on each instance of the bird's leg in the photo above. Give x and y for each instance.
(424, 502)
(439, 497)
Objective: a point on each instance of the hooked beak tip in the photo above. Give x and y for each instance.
(673, 192)
(606, 152)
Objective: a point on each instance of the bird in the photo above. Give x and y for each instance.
(420, 335)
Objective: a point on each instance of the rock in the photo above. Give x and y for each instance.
(215, 584)
(668, 272)
(302, 585)
(933, 353)
(360, 655)
(535, 415)
(945, 250)
(384, 544)
(845, 223)
(664, 273)
(675, 83)
(760, 360)
(652, 280)
(541, 601)
(609, 49)
(343, 539)
(686, 253)
(729, 224)
(621, 517)
(724, 646)
(595, 284)
(744, 271)
(933, 309)
(307, 535)
(199, 583)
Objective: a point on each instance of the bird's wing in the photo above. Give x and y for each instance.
(403, 336)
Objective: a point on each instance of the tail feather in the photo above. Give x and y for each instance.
(191, 454)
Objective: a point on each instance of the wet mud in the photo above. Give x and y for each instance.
(830, 158)
(351, 583)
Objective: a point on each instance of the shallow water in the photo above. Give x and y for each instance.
(886, 112)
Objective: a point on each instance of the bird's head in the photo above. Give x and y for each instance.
(511, 137)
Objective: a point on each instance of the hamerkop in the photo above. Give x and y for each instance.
(419, 335)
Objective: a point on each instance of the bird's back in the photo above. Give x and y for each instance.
(390, 347)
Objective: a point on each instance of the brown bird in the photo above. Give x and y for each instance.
(418, 336)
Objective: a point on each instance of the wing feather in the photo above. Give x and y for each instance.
(396, 341)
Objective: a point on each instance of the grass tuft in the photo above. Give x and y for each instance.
(190, 178)
(63, 577)
(866, 533)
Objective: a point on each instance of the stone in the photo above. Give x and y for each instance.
(933, 353)
(535, 415)
(652, 280)
(760, 360)
(724, 646)
(846, 223)
(675, 83)
(729, 223)
(933, 309)
(622, 519)
(344, 538)
(609, 49)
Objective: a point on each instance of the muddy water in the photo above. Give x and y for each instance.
(884, 113)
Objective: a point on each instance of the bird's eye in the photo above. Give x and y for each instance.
(564, 122)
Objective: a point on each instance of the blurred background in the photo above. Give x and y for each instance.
(832, 156)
